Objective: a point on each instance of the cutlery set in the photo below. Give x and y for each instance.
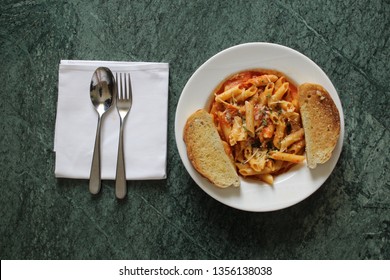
(104, 89)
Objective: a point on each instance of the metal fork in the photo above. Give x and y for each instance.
(124, 101)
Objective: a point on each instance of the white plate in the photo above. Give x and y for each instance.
(289, 188)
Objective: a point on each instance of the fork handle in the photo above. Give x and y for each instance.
(94, 178)
(120, 181)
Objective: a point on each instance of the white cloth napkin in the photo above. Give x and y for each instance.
(145, 129)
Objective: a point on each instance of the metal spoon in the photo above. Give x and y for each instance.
(102, 91)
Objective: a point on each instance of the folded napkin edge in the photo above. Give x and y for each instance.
(118, 65)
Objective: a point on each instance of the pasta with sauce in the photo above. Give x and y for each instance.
(257, 116)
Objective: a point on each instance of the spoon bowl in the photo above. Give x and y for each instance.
(102, 90)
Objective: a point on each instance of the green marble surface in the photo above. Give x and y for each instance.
(42, 217)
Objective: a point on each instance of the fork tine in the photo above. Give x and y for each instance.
(128, 83)
(126, 91)
(117, 84)
(123, 86)
(120, 85)
(130, 91)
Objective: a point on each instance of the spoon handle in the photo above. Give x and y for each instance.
(120, 181)
(94, 179)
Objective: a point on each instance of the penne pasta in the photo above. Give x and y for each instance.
(279, 134)
(279, 93)
(224, 124)
(274, 117)
(258, 161)
(246, 94)
(291, 138)
(279, 82)
(228, 94)
(263, 80)
(282, 104)
(245, 170)
(295, 121)
(249, 118)
(297, 148)
(257, 116)
(268, 131)
(286, 157)
(266, 94)
(267, 178)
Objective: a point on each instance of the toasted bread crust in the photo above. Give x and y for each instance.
(206, 151)
(321, 122)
